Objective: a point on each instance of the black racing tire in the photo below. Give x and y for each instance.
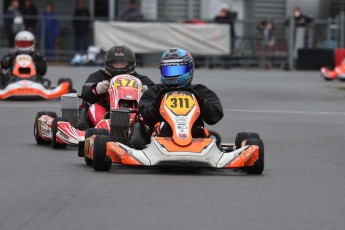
(88, 161)
(39, 139)
(71, 90)
(100, 160)
(241, 136)
(54, 144)
(259, 165)
(96, 131)
(89, 133)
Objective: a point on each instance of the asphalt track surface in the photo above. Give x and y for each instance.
(299, 116)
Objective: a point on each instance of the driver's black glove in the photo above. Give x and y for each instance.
(201, 100)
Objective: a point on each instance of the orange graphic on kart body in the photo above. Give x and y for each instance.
(185, 104)
(27, 91)
(119, 155)
(24, 66)
(246, 158)
(197, 145)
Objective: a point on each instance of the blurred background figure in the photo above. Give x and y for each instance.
(302, 22)
(226, 16)
(81, 27)
(49, 26)
(132, 13)
(30, 10)
(266, 28)
(13, 21)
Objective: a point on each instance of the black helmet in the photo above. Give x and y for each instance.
(120, 54)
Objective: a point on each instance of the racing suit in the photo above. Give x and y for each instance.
(8, 60)
(100, 102)
(210, 105)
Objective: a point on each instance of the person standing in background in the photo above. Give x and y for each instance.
(13, 21)
(51, 29)
(81, 24)
(30, 11)
(132, 13)
(226, 16)
(266, 28)
(302, 23)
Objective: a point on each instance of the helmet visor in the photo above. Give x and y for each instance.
(24, 44)
(120, 64)
(169, 71)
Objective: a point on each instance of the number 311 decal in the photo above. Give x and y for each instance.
(180, 104)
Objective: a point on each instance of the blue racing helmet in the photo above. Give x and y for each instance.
(177, 66)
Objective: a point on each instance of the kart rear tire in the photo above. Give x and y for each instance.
(40, 140)
(101, 162)
(54, 143)
(259, 165)
(240, 137)
(71, 90)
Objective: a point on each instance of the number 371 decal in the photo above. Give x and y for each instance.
(180, 103)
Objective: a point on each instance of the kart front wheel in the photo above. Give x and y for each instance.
(101, 162)
(54, 143)
(39, 139)
(88, 161)
(90, 132)
(259, 165)
(240, 137)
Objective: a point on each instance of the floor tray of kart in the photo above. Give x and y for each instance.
(24, 83)
(180, 110)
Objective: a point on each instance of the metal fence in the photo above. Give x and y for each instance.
(248, 48)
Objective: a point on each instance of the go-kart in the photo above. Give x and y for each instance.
(338, 72)
(24, 83)
(71, 128)
(186, 146)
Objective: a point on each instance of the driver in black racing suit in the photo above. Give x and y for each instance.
(177, 69)
(118, 60)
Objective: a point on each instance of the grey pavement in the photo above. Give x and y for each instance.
(300, 117)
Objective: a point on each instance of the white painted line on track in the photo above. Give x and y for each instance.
(14, 105)
(286, 112)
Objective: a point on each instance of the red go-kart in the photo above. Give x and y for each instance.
(71, 128)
